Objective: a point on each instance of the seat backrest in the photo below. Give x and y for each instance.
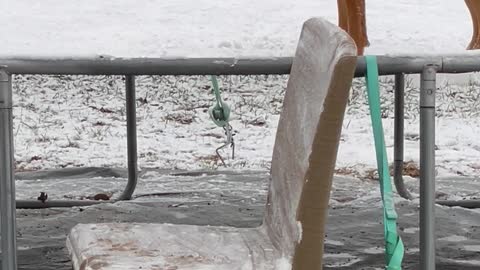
(307, 141)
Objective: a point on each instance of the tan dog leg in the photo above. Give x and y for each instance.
(342, 14)
(351, 18)
(474, 8)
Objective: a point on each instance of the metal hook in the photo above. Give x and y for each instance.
(230, 142)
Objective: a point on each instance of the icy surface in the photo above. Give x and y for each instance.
(239, 201)
(214, 28)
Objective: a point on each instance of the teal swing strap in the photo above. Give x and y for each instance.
(394, 249)
(220, 112)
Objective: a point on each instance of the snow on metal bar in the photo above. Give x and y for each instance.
(106, 65)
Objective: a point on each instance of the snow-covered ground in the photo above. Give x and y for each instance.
(69, 121)
(63, 121)
(189, 28)
(237, 199)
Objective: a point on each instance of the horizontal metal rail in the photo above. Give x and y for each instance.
(31, 204)
(387, 65)
(148, 66)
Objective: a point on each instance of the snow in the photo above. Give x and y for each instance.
(79, 121)
(227, 199)
(214, 28)
(72, 121)
(340, 260)
(457, 152)
(283, 264)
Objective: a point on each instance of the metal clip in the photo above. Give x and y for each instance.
(230, 142)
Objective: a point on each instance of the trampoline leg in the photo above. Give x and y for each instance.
(427, 168)
(131, 138)
(398, 136)
(7, 181)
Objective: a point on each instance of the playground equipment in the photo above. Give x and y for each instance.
(130, 67)
(303, 163)
(352, 19)
(7, 183)
(220, 115)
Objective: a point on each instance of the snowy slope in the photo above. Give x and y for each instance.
(196, 28)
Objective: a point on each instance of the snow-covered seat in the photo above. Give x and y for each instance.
(153, 246)
(304, 156)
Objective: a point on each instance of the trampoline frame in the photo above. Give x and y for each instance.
(427, 66)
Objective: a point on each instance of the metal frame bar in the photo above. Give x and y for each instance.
(103, 65)
(427, 167)
(398, 136)
(132, 166)
(131, 138)
(149, 66)
(7, 181)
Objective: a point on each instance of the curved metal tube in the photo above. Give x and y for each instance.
(131, 138)
(31, 204)
(132, 159)
(471, 204)
(398, 137)
(399, 182)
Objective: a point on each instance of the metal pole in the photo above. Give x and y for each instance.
(31, 204)
(150, 66)
(427, 167)
(398, 136)
(131, 138)
(7, 181)
(104, 65)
